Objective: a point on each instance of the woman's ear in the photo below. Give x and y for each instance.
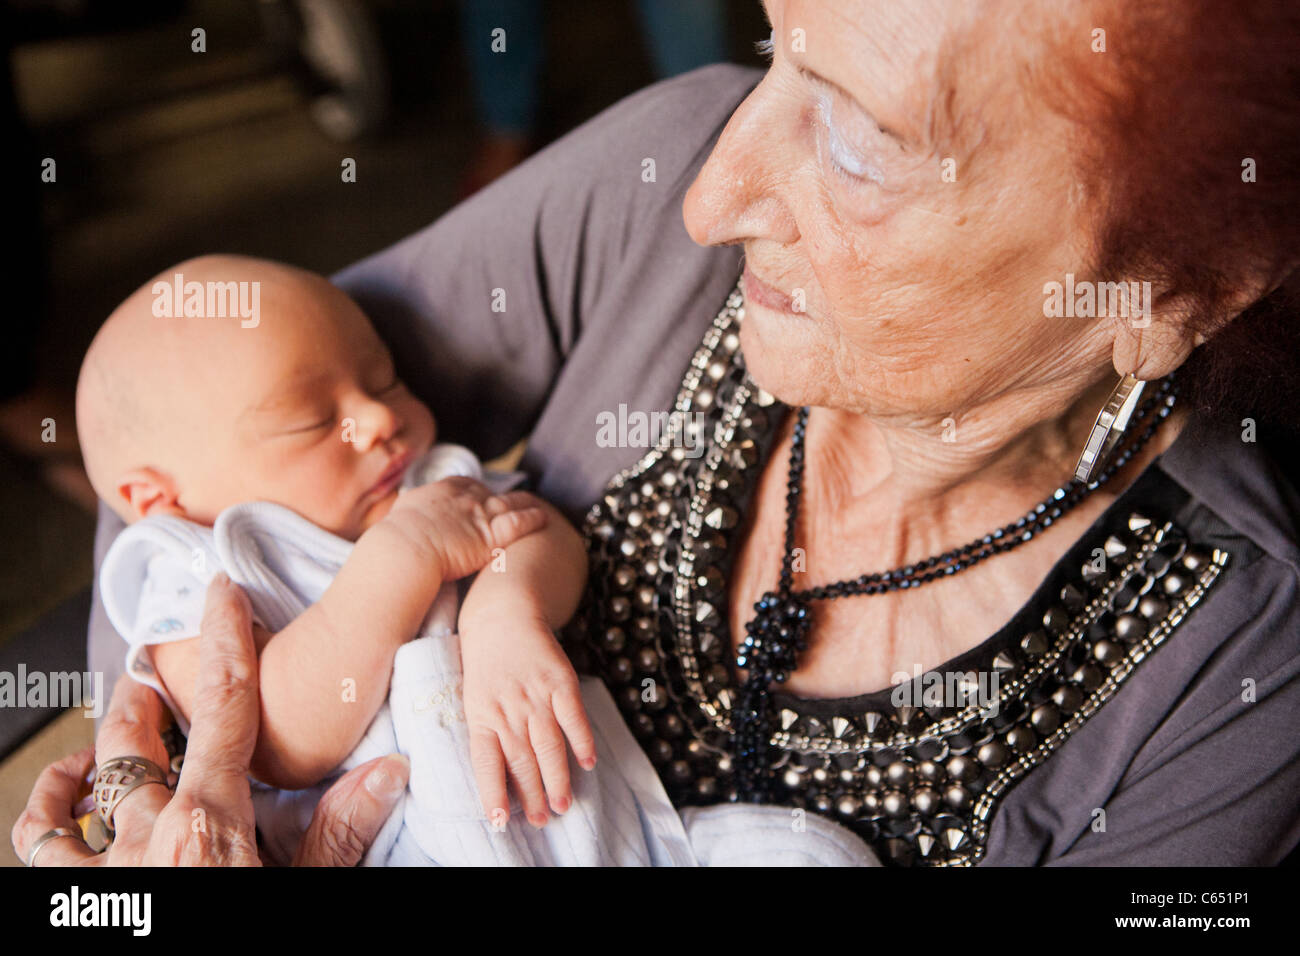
(147, 491)
(1153, 344)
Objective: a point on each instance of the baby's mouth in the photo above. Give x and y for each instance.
(392, 476)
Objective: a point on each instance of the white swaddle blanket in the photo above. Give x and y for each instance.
(621, 814)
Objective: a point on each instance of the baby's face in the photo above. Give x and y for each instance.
(319, 422)
(305, 409)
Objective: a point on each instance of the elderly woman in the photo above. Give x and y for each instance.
(945, 542)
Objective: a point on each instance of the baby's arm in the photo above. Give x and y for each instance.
(521, 693)
(376, 603)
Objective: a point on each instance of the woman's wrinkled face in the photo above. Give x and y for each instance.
(902, 197)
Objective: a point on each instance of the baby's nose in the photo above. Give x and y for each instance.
(378, 423)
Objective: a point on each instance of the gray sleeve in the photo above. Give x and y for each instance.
(1219, 782)
(106, 651)
(482, 307)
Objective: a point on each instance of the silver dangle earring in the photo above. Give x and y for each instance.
(1109, 427)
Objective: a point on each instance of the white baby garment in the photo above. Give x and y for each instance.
(154, 579)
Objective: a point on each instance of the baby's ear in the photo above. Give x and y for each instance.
(146, 491)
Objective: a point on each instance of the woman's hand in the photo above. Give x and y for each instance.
(209, 818)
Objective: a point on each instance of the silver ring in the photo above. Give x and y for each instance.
(117, 778)
(46, 837)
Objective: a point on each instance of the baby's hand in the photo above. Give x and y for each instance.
(457, 523)
(521, 701)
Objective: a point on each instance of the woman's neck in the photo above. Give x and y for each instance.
(921, 485)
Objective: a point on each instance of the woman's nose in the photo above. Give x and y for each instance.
(740, 194)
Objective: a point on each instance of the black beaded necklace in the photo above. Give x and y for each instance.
(779, 628)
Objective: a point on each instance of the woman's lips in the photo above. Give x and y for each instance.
(758, 291)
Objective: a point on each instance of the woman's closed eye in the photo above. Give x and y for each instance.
(845, 156)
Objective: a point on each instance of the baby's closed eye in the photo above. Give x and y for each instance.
(313, 423)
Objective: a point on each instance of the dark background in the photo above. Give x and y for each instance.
(163, 153)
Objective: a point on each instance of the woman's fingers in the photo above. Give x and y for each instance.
(57, 790)
(552, 758)
(69, 851)
(132, 727)
(66, 851)
(133, 724)
(352, 812)
(225, 716)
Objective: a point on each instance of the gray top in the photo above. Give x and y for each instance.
(570, 287)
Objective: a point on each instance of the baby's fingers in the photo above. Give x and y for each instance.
(521, 763)
(510, 501)
(553, 759)
(509, 526)
(572, 715)
(489, 765)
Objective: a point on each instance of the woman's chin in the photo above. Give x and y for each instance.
(779, 368)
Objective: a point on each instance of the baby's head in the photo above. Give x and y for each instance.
(299, 405)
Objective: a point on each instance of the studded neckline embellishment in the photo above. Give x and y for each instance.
(921, 783)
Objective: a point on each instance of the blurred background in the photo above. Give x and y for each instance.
(133, 141)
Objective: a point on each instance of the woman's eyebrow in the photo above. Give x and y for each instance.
(935, 127)
(906, 140)
(940, 130)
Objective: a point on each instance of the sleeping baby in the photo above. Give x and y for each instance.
(282, 449)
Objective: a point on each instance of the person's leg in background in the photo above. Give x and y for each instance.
(684, 34)
(507, 83)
